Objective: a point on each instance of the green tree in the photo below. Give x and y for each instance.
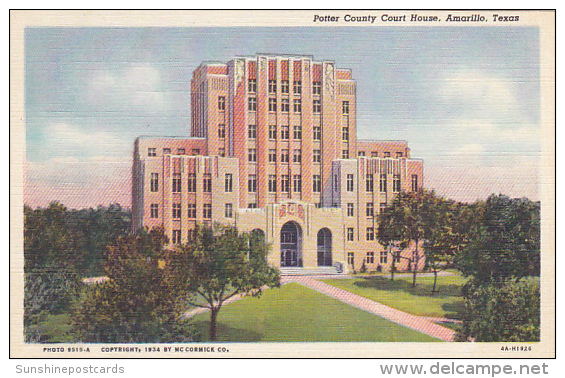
(405, 222)
(504, 243)
(138, 302)
(218, 264)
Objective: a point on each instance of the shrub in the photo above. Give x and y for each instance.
(505, 311)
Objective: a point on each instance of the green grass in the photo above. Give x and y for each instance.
(400, 295)
(57, 329)
(297, 314)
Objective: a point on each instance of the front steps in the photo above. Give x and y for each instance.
(319, 271)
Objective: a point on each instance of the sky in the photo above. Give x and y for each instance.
(467, 100)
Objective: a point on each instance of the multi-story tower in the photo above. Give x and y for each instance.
(274, 149)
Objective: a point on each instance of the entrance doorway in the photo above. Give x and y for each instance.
(291, 245)
(324, 247)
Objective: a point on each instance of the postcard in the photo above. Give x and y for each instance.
(337, 184)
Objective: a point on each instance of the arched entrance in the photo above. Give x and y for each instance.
(324, 247)
(291, 244)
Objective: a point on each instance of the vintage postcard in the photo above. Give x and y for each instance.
(351, 184)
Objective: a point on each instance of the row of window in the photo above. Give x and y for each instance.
(152, 151)
(370, 259)
(369, 209)
(386, 154)
(285, 132)
(285, 86)
(285, 105)
(177, 211)
(370, 234)
(252, 187)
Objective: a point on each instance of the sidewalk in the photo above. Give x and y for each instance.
(417, 323)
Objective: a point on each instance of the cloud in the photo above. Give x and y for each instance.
(138, 87)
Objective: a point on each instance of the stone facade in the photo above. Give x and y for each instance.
(274, 148)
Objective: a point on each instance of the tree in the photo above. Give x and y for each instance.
(220, 263)
(404, 221)
(504, 243)
(138, 303)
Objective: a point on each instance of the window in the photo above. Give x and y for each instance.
(207, 183)
(228, 182)
(297, 105)
(285, 105)
(382, 207)
(272, 183)
(151, 152)
(414, 183)
(195, 151)
(345, 133)
(361, 153)
(284, 86)
(180, 151)
(285, 132)
(207, 211)
(369, 183)
(228, 210)
(154, 182)
(317, 106)
(396, 257)
(396, 183)
(350, 234)
(317, 183)
(297, 156)
(285, 184)
(272, 131)
(345, 154)
(370, 257)
(190, 234)
(384, 257)
(386, 154)
(221, 131)
(252, 131)
(252, 85)
(297, 86)
(176, 210)
(297, 183)
(176, 183)
(252, 183)
(336, 183)
(191, 183)
(166, 151)
(252, 155)
(374, 154)
(345, 107)
(382, 183)
(370, 209)
(317, 87)
(398, 155)
(350, 211)
(284, 156)
(272, 104)
(272, 86)
(221, 103)
(272, 156)
(252, 104)
(349, 182)
(297, 132)
(154, 210)
(317, 133)
(176, 237)
(222, 152)
(191, 210)
(317, 156)
(370, 233)
(252, 205)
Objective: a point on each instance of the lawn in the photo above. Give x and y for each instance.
(297, 314)
(400, 295)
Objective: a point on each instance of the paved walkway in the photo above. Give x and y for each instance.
(417, 323)
(421, 324)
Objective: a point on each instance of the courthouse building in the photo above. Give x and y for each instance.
(274, 149)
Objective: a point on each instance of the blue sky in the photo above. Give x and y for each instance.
(467, 99)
